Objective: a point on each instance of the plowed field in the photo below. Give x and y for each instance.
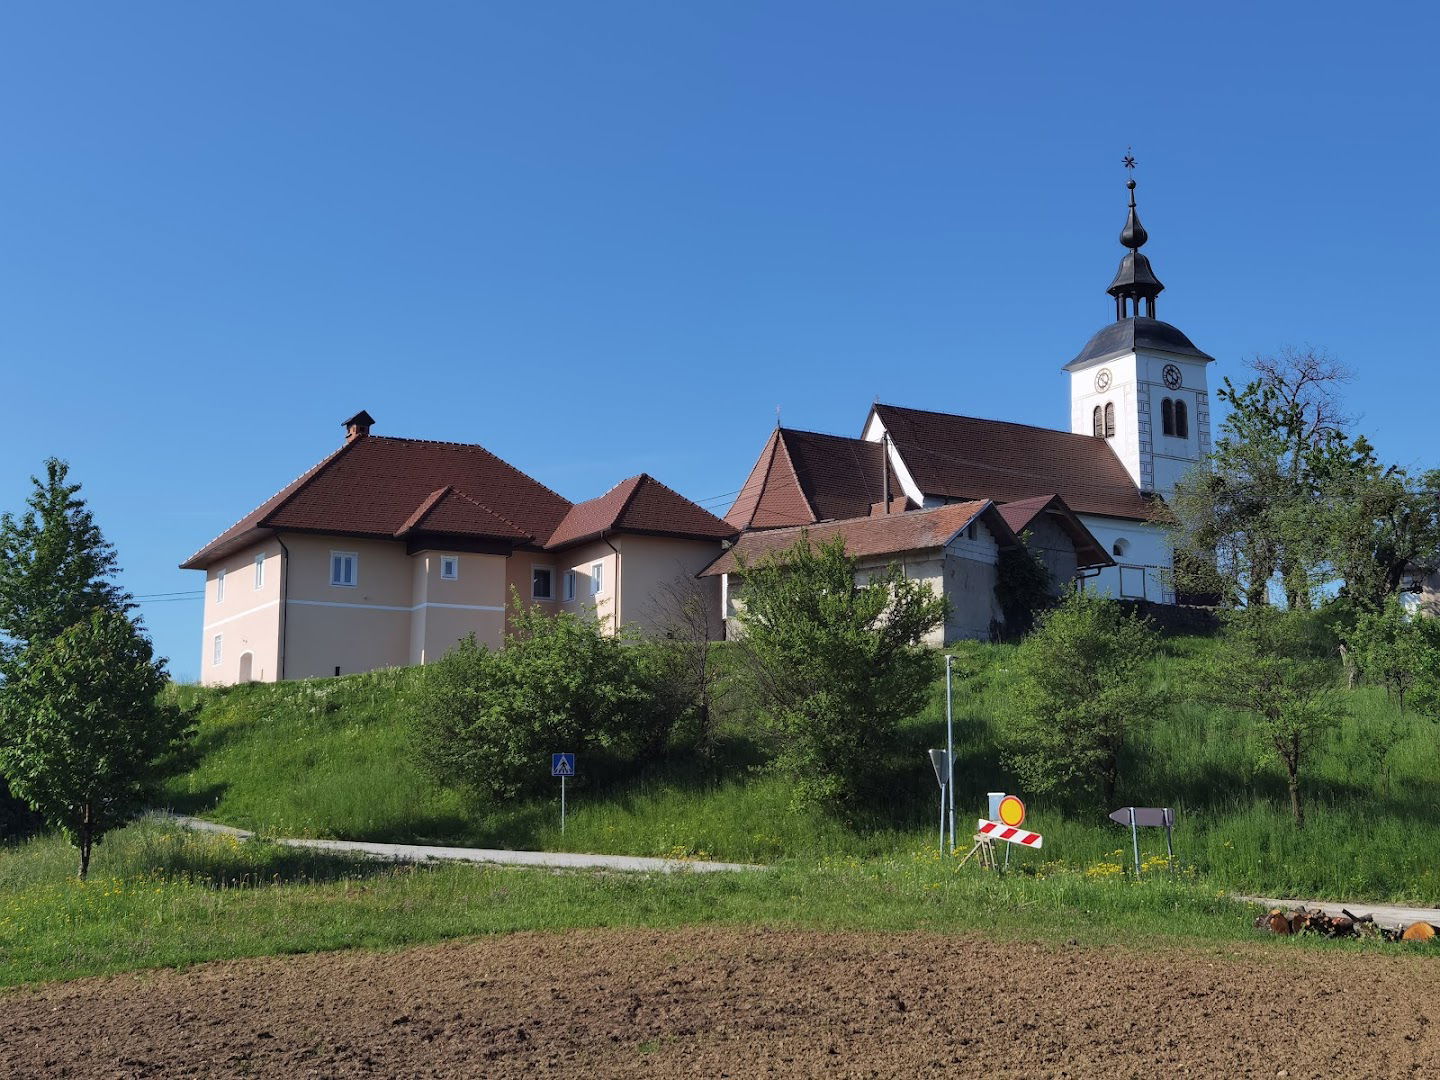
(720, 1002)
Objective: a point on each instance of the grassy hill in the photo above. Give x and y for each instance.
(329, 758)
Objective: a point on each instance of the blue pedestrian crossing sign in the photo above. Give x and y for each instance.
(562, 764)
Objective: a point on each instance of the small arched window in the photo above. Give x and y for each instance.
(1182, 420)
(1109, 420)
(1097, 422)
(1120, 547)
(1167, 416)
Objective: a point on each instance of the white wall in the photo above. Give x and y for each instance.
(1143, 571)
(1154, 460)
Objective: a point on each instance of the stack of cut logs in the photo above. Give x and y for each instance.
(1302, 920)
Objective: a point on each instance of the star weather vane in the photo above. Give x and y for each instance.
(1129, 161)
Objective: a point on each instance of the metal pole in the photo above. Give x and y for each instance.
(1135, 840)
(1169, 844)
(949, 755)
(942, 819)
(562, 804)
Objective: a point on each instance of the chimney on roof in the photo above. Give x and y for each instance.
(358, 425)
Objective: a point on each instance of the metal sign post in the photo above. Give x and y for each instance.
(562, 765)
(1149, 817)
(940, 761)
(949, 756)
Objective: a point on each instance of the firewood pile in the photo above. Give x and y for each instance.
(1303, 920)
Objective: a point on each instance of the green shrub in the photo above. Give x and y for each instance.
(836, 666)
(489, 721)
(1084, 692)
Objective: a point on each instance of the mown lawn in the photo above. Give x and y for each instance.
(330, 758)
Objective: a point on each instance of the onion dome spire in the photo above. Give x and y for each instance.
(1135, 280)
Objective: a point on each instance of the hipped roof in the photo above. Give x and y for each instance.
(640, 504)
(802, 477)
(393, 488)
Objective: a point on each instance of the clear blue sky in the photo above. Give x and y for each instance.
(605, 238)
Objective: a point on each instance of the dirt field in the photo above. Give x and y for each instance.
(742, 1003)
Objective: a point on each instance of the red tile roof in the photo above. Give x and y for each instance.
(963, 457)
(865, 537)
(771, 496)
(387, 487)
(807, 476)
(455, 513)
(640, 504)
(1021, 514)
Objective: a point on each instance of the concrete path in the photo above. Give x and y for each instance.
(1385, 914)
(422, 853)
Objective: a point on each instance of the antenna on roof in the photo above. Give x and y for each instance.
(777, 417)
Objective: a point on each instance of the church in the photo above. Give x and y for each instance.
(1088, 497)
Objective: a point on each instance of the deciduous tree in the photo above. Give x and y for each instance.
(1264, 665)
(83, 734)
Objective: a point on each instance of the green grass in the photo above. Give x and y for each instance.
(159, 897)
(329, 758)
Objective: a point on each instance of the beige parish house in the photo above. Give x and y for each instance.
(391, 550)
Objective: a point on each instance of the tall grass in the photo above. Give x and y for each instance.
(329, 758)
(159, 897)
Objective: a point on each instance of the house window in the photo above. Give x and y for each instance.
(1109, 420)
(1167, 416)
(343, 568)
(567, 586)
(1182, 420)
(216, 650)
(542, 584)
(1121, 547)
(219, 585)
(260, 570)
(450, 567)
(597, 578)
(1097, 421)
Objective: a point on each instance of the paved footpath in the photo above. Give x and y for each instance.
(1385, 914)
(565, 860)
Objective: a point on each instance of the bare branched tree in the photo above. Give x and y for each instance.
(687, 622)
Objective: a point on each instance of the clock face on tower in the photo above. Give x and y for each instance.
(1102, 380)
(1171, 375)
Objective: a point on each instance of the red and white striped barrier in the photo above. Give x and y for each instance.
(994, 830)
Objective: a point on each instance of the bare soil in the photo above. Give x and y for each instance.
(725, 1002)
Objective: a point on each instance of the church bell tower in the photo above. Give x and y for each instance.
(1139, 383)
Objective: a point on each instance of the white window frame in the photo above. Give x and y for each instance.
(354, 558)
(217, 650)
(259, 571)
(597, 578)
(567, 586)
(548, 569)
(449, 567)
(220, 585)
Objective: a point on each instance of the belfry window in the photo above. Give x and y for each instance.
(1182, 420)
(1109, 420)
(1167, 416)
(1097, 421)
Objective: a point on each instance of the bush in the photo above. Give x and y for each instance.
(836, 666)
(489, 721)
(1084, 689)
